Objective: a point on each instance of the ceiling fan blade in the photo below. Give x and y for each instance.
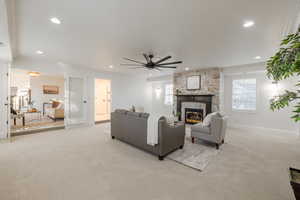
(131, 64)
(146, 57)
(134, 61)
(171, 63)
(163, 59)
(157, 69)
(171, 67)
(135, 67)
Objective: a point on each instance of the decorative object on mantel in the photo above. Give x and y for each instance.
(193, 83)
(177, 91)
(150, 64)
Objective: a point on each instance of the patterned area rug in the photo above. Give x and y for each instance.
(196, 156)
(44, 122)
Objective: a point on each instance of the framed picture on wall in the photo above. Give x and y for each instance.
(193, 83)
(50, 89)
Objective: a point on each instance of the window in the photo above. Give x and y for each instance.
(169, 94)
(244, 94)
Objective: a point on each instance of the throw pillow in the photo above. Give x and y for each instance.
(55, 104)
(207, 119)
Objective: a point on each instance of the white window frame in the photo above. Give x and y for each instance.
(169, 94)
(256, 91)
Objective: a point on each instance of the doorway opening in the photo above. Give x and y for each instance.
(37, 102)
(102, 100)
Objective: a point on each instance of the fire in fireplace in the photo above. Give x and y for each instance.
(193, 116)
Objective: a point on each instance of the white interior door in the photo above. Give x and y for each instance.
(76, 101)
(102, 100)
(4, 101)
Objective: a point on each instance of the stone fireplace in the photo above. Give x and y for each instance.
(196, 103)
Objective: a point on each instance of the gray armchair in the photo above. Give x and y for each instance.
(214, 133)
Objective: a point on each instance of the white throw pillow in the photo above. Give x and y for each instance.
(207, 119)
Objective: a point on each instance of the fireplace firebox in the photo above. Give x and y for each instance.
(193, 116)
(205, 99)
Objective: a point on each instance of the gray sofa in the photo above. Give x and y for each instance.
(214, 133)
(131, 127)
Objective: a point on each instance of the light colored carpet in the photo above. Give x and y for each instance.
(196, 156)
(85, 163)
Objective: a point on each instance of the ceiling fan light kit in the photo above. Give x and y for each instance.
(151, 64)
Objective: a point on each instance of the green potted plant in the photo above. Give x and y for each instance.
(285, 64)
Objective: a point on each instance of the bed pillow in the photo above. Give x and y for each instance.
(55, 103)
(60, 106)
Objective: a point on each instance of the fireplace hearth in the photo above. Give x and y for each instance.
(193, 116)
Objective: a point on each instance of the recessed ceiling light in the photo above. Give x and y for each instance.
(257, 57)
(39, 52)
(111, 66)
(186, 69)
(55, 20)
(248, 24)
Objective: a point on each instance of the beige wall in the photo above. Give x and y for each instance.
(20, 79)
(37, 95)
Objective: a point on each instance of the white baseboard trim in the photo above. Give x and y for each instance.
(80, 125)
(263, 128)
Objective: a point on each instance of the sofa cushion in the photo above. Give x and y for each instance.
(200, 128)
(134, 114)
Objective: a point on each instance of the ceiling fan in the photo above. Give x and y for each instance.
(150, 64)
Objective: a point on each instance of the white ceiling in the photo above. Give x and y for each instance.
(202, 33)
